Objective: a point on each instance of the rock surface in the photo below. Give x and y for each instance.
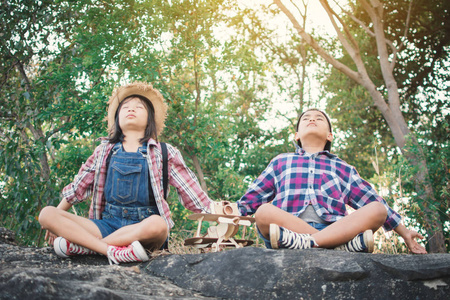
(248, 273)
(38, 273)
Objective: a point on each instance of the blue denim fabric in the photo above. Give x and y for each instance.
(127, 179)
(126, 191)
(318, 226)
(115, 217)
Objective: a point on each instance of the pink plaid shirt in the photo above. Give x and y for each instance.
(90, 182)
(292, 181)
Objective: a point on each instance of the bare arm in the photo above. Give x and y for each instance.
(64, 205)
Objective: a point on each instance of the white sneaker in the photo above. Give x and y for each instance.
(64, 248)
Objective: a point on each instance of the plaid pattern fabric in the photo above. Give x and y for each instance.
(90, 182)
(292, 181)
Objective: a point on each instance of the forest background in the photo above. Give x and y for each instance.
(235, 74)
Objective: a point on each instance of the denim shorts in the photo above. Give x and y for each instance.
(115, 217)
(318, 226)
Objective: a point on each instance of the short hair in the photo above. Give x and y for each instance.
(328, 144)
(117, 135)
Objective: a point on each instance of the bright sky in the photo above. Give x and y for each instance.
(317, 19)
(316, 15)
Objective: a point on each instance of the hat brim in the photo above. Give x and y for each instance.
(142, 89)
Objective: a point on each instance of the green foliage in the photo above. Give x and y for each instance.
(395, 181)
(47, 85)
(437, 158)
(419, 72)
(59, 64)
(359, 128)
(218, 67)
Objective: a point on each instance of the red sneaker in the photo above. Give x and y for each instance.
(132, 253)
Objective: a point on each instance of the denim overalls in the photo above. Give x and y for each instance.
(126, 190)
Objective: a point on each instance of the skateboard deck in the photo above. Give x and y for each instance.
(209, 241)
(214, 217)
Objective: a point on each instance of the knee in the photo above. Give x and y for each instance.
(46, 215)
(263, 213)
(379, 211)
(154, 226)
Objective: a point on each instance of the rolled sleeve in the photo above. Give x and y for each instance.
(261, 191)
(190, 193)
(363, 193)
(81, 187)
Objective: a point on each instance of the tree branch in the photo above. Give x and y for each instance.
(405, 35)
(371, 33)
(352, 49)
(322, 52)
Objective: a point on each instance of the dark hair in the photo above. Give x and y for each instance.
(328, 144)
(116, 135)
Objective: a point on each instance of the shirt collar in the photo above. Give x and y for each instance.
(302, 152)
(152, 142)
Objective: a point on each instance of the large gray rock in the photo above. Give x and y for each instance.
(255, 273)
(38, 273)
(249, 273)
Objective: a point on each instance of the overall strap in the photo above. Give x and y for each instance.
(108, 160)
(165, 168)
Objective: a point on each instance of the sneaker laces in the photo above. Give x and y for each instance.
(117, 254)
(293, 240)
(79, 250)
(355, 245)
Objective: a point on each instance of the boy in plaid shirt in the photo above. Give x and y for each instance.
(299, 199)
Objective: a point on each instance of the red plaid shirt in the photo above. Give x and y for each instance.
(90, 182)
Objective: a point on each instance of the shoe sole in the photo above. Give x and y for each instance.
(60, 246)
(139, 251)
(274, 234)
(368, 240)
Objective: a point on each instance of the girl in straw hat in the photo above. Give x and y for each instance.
(123, 178)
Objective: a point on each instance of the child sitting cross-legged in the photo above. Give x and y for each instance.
(124, 179)
(299, 199)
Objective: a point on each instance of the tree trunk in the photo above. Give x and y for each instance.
(422, 184)
(36, 131)
(201, 176)
(425, 192)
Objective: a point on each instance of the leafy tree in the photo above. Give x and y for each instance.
(60, 61)
(422, 92)
(33, 104)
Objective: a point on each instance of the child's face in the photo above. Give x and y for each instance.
(133, 115)
(313, 124)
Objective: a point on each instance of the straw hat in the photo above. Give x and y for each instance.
(142, 89)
